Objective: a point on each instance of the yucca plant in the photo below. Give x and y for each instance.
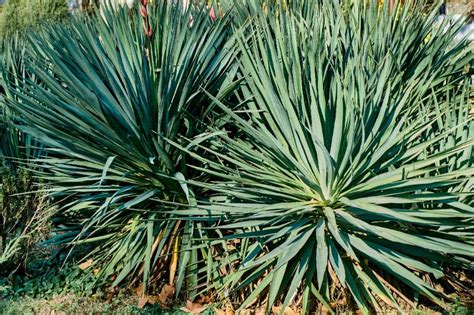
(114, 87)
(345, 169)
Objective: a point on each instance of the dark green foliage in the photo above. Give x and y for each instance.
(48, 279)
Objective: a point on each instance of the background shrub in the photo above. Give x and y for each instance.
(22, 209)
(21, 15)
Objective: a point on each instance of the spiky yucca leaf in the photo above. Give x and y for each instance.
(110, 95)
(343, 167)
(15, 145)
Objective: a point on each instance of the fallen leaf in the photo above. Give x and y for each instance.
(167, 292)
(227, 311)
(142, 302)
(86, 264)
(322, 310)
(139, 290)
(193, 308)
(288, 310)
(205, 299)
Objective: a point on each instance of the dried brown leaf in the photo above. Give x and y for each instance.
(86, 264)
(193, 308)
(167, 293)
(288, 310)
(142, 302)
(205, 299)
(229, 310)
(139, 290)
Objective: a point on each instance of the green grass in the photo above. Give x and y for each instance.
(68, 303)
(77, 304)
(73, 304)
